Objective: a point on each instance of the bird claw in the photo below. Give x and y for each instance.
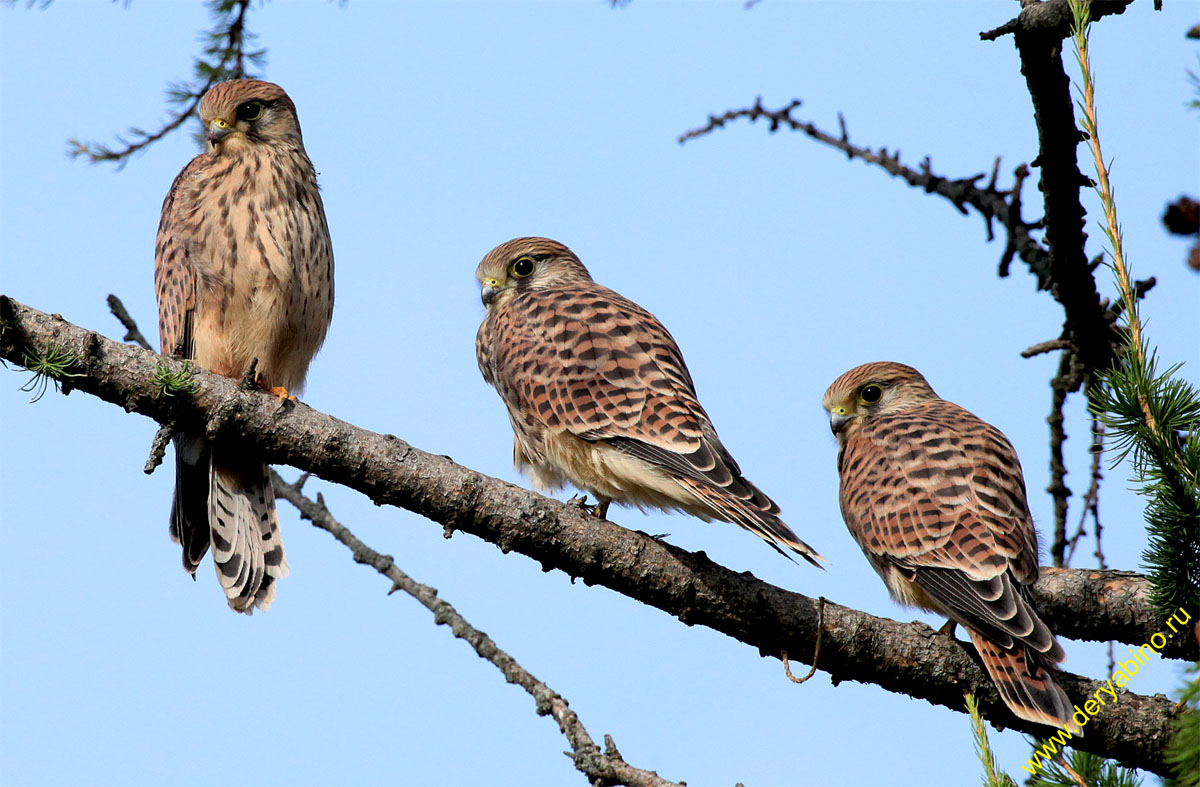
(581, 502)
(252, 378)
(597, 509)
(277, 391)
(282, 393)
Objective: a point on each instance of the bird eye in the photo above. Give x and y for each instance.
(522, 267)
(870, 394)
(250, 110)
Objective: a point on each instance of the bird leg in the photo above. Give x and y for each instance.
(252, 378)
(275, 390)
(948, 628)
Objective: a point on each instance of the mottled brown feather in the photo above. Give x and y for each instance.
(935, 498)
(598, 395)
(243, 274)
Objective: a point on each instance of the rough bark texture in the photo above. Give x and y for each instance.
(907, 658)
(1103, 604)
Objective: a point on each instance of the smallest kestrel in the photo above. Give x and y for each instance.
(935, 498)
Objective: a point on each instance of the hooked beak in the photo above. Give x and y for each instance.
(491, 289)
(218, 129)
(838, 418)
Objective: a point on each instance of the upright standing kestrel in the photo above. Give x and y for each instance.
(935, 498)
(599, 396)
(244, 272)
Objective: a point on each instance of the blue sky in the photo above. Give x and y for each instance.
(440, 130)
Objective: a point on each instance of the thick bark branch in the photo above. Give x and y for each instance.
(908, 658)
(1099, 605)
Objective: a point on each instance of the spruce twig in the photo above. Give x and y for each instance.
(1184, 754)
(1154, 418)
(991, 777)
(1075, 768)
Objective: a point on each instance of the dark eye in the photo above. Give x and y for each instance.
(870, 394)
(522, 267)
(250, 110)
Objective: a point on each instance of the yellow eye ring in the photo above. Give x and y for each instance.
(870, 394)
(250, 110)
(521, 267)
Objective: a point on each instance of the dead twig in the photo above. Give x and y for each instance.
(600, 767)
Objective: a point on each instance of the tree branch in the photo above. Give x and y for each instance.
(227, 59)
(991, 203)
(1038, 32)
(132, 332)
(1051, 18)
(1060, 385)
(905, 658)
(607, 768)
(1098, 605)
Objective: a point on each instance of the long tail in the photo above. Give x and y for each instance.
(244, 528)
(1025, 684)
(745, 505)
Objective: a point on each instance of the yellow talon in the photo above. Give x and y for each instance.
(281, 392)
(276, 390)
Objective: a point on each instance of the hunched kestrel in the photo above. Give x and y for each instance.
(935, 498)
(599, 396)
(244, 272)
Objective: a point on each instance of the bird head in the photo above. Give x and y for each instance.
(871, 390)
(527, 264)
(245, 112)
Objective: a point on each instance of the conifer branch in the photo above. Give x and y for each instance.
(225, 56)
(991, 776)
(1183, 756)
(1154, 417)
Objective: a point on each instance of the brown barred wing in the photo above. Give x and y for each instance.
(584, 360)
(937, 494)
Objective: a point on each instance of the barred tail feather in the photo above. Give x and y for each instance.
(761, 520)
(247, 547)
(1025, 684)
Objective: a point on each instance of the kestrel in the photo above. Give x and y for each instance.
(243, 268)
(935, 498)
(599, 396)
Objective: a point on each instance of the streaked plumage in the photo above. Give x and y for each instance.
(936, 499)
(599, 396)
(243, 271)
